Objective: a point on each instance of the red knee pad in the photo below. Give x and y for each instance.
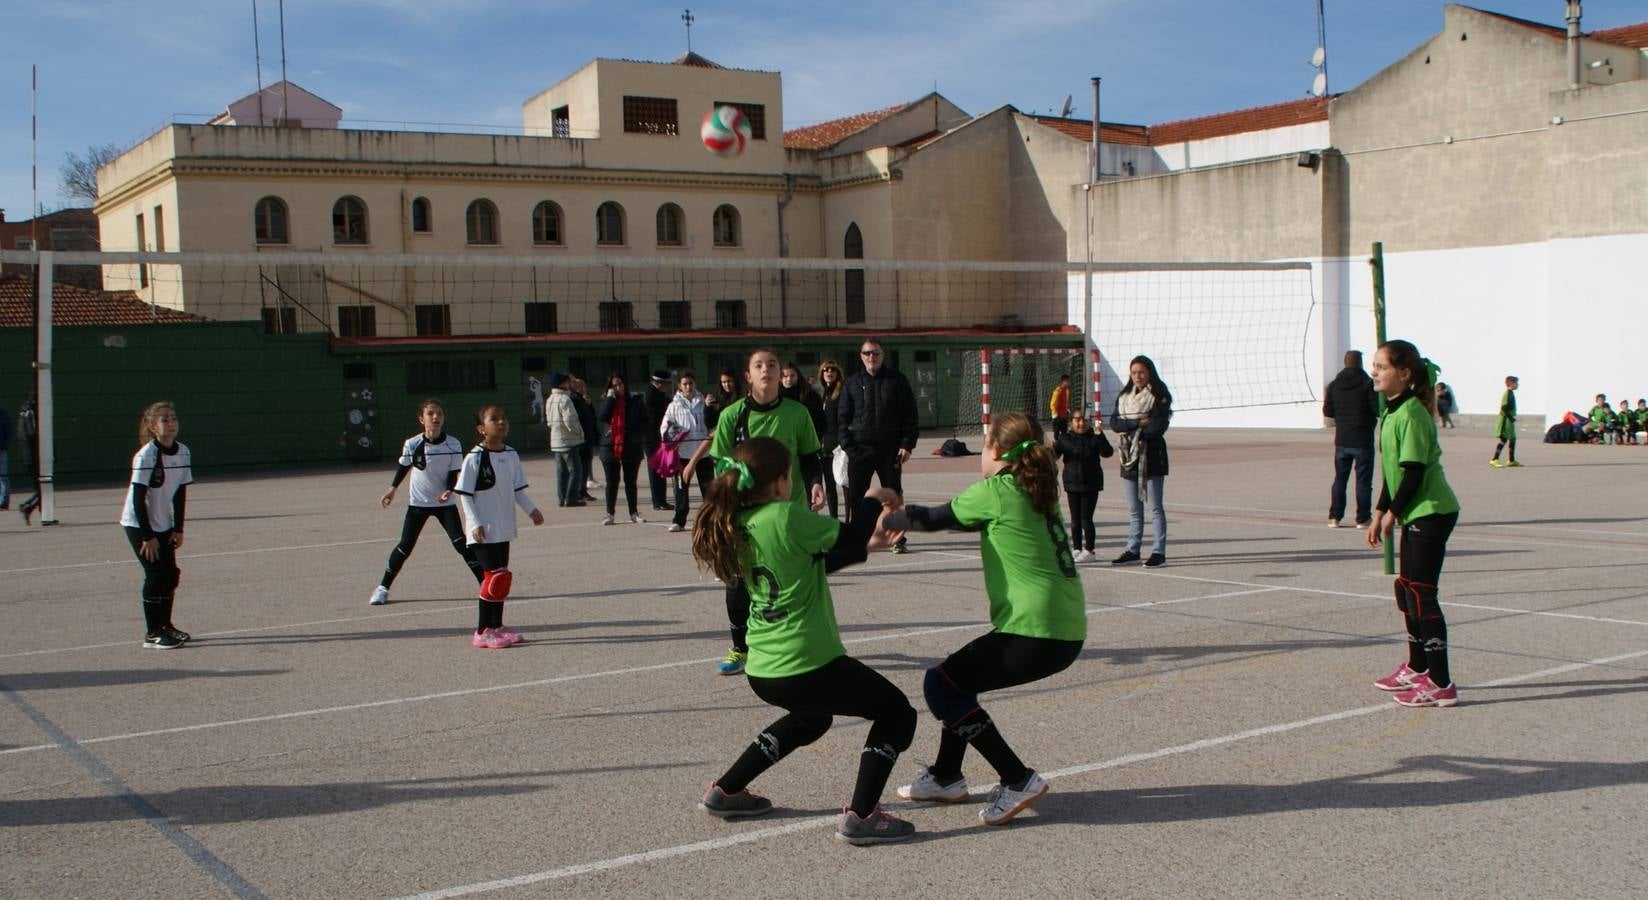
(495, 585)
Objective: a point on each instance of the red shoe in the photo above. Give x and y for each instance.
(1426, 693)
(1399, 680)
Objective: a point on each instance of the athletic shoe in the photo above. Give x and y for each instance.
(1126, 557)
(1005, 803)
(1156, 560)
(876, 828)
(664, 507)
(676, 527)
(1080, 556)
(160, 640)
(1363, 523)
(902, 547)
(635, 519)
(380, 596)
(1426, 693)
(1496, 463)
(1333, 523)
(579, 502)
(926, 787)
(509, 634)
(180, 635)
(606, 519)
(733, 663)
(741, 805)
(1513, 464)
(488, 639)
(1399, 680)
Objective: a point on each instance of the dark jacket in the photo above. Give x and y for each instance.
(806, 396)
(657, 404)
(636, 426)
(1081, 453)
(1350, 403)
(877, 412)
(828, 436)
(712, 411)
(1154, 444)
(586, 418)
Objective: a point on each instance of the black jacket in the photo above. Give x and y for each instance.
(657, 403)
(1155, 445)
(636, 426)
(806, 396)
(586, 418)
(828, 435)
(1350, 403)
(1081, 453)
(877, 412)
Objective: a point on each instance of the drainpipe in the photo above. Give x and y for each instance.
(784, 251)
(1573, 45)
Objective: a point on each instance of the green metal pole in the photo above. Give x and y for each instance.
(1378, 264)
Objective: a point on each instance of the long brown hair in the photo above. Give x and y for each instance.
(1033, 468)
(1404, 355)
(831, 391)
(715, 540)
(145, 430)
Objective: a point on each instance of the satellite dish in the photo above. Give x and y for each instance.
(1068, 99)
(1319, 85)
(1319, 57)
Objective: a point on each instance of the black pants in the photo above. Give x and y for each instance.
(629, 467)
(412, 526)
(490, 557)
(1424, 547)
(703, 473)
(842, 687)
(160, 577)
(882, 462)
(988, 663)
(587, 454)
(827, 455)
(655, 481)
(1082, 505)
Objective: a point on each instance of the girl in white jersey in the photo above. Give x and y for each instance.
(153, 519)
(490, 484)
(432, 458)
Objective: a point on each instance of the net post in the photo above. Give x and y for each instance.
(1377, 262)
(45, 460)
(984, 387)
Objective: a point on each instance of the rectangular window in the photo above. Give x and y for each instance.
(142, 244)
(534, 364)
(674, 315)
(432, 319)
(540, 318)
(806, 358)
(358, 371)
(676, 361)
(357, 321)
(560, 122)
(729, 314)
(651, 115)
(855, 296)
(435, 376)
(617, 315)
(754, 112)
(160, 231)
(283, 320)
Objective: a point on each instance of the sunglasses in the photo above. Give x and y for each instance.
(869, 353)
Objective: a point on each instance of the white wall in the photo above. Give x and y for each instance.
(1599, 349)
(1247, 145)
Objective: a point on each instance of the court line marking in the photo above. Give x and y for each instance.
(1071, 771)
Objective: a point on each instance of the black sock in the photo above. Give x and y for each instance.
(1416, 648)
(1513, 451)
(1436, 651)
(951, 749)
(154, 613)
(983, 736)
(875, 766)
(483, 619)
(1498, 448)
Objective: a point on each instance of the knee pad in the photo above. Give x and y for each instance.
(495, 585)
(950, 704)
(1417, 600)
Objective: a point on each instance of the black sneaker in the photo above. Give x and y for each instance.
(174, 632)
(1126, 557)
(160, 640)
(743, 804)
(1156, 560)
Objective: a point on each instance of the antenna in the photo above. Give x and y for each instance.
(283, 61)
(1319, 59)
(1068, 100)
(257, 63)
(686, 16)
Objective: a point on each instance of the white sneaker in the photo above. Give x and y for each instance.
(676, 526)
(1333, 523)
(380, 596)
(926, 787)
(1084, 556)
(606, 519)
(635, 519)
(1005, 803)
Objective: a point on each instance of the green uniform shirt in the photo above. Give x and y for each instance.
(1602, 415)
(792, 620)
(1505, 425)
(1407, 433)
(1028, 571)
(789, 423)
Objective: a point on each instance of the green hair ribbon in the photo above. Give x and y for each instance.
(745, 479)
(1018, 450)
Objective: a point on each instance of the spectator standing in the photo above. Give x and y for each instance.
(1143, 409)
(829, 383)
(1352, 404)
(566, 441)
(657, 400)
(877, 426)
(1059, 405)
(5, 459)
(28, 428)
(684, 425)
(592, 430)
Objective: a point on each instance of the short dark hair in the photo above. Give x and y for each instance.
(1353, 359)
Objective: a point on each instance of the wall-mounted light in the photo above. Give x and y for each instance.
(1309, 159)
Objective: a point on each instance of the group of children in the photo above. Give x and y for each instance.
(757, 534)
(1604, 425)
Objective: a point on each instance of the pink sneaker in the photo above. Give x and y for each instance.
(488, 639)
(509, 634)
(1399, 680)
(1426, 693)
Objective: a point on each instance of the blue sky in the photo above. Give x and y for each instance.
(115, 71)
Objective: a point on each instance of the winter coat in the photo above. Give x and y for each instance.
(1151, 437)
(877, 412)
(1081, 453)
(637, 429)
(1353, 407)
(565, 431)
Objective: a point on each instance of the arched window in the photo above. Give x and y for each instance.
(853, 248)
(609, 223)
(724, 225)
(481, 222)
(420, 216)
(669, 225)
(546, 223)
(269, 221)
(349, 221)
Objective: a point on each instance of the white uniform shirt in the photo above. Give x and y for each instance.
(487, 484)
(163, 472)
(431, 462)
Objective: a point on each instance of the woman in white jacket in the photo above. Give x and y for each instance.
(684, 423)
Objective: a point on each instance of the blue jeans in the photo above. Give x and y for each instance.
(1343, 458)
(1135, 514)
(569, 475)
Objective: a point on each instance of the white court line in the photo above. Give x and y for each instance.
(822, 821)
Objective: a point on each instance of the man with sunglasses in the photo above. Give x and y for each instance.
(877, 420)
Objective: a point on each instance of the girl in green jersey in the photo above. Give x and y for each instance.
(1037, 609)
(749, 529)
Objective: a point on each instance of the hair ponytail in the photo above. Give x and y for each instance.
(1404, 355)
(716, 543)
(145, 429)
(1032, 467)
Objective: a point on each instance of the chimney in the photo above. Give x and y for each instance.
(2, 216)
(1573, 14)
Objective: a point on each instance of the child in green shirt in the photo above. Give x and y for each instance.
(1505, 425)
(749, 529)
(1600, 420)
(1037, 608)
(1415, 495)
(1625, 422)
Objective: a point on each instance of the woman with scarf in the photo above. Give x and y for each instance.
(624, 416)
(1143, 409)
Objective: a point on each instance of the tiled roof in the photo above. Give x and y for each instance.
(828, 134)
(1626, 35)
(77, 306)
(1109, 132)
(693, 59)
(1258, 118)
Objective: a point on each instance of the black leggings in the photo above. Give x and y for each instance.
(991, 662)
(1082, 505)
(827, 456)
(841, 687)
(490, 557)
(160, 577)
(704, 473)
(416, 516)
(1424, 547)
(610, 466)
